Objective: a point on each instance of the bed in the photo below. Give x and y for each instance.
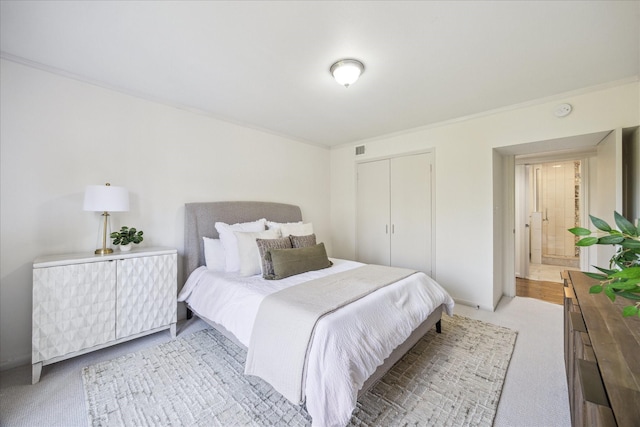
(335, 373)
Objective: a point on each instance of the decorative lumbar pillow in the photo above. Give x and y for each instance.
(248, 254)
(289, 262)
(264, 245)
(214, 254)
(230, 243)
(302, 241)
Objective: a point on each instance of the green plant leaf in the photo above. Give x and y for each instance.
(587, 241)
(625, 225)
(634, 282)
(595, 289)
(610, 240)
(579, 231)
(628, 273)
(610, 293)
(624, 286)
(604, 270)
(629, 295)
(596, 276)
(600, 224)
(631, 244)
(630, 310)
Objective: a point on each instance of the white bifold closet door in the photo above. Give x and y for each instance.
(394, 212)
(373, 211)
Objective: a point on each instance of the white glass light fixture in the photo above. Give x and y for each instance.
(347, 71)
(105, 198)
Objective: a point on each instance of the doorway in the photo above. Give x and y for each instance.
(549, 200)
(601, 172)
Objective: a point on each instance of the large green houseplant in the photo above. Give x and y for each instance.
(622, 278)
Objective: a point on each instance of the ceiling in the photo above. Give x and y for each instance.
(265, 64)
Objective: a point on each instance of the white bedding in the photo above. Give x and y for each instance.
(348, 344)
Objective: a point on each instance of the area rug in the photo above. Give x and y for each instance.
(450, 379)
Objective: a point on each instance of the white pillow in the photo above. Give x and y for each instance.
(276, 225)
(230, 243)
(250, 263)
(214, 254)
(296, 229)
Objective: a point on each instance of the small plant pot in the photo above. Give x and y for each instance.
(125, 248)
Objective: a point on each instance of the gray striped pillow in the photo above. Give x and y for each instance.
(263, 246)
(302, 241)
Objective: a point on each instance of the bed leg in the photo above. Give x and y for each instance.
(189, 314)
(439, 326)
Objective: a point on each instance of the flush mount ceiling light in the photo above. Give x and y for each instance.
(347, 71)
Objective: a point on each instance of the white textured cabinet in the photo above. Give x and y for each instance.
(394, 212)
(82, 303)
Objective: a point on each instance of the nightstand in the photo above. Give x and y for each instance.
(85, 302)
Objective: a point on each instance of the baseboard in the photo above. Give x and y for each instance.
(473, 304)
(5, 365)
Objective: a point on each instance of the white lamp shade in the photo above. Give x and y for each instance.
(347, 71)
(106, 198)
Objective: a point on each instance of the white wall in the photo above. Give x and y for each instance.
(59, 135)
(464, 177)
(608, 189)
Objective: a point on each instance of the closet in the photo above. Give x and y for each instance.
(394, 212)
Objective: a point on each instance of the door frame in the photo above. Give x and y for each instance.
(576, 146)
(522, 221)
(584, 195)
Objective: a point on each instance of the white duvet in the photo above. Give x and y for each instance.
(348, 344)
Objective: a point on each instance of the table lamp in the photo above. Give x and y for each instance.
(105, 198)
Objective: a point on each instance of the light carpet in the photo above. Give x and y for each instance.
(449, 379)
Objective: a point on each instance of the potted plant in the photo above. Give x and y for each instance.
(126, 236)
(622, 278)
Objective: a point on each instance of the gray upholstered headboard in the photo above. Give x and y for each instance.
(200, 219)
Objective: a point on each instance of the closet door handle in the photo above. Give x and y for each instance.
(386, 229)
(393, 229)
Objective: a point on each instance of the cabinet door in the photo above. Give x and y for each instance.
(411, 212)
(147, 288)
(372, 216)
(73, 308)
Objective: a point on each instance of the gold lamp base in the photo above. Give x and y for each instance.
(103, 251)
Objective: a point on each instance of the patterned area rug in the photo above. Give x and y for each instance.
(449, 379)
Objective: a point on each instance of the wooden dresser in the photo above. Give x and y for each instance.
(602, 357)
